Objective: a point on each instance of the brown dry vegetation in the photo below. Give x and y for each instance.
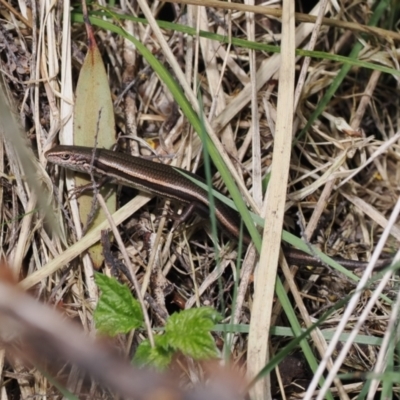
(342, 212)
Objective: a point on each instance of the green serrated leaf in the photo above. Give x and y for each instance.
(189, 332)
(160, 356)
(117, 311)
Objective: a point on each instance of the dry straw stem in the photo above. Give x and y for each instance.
(382, 360)
(23, 164)
(265, 278)
(307, 60)
(80, 246)
(266, 71)
(18, 15)
(255, 123)
(66, 136)
(374, 298)
(274, 12)
(316, 335)
(128, 265)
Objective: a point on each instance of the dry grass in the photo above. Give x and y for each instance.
(342, 188)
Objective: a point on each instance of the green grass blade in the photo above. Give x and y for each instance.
(353, 62)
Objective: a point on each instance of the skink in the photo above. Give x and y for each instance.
(166, 181)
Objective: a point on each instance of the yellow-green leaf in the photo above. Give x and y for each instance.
(94, 125)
